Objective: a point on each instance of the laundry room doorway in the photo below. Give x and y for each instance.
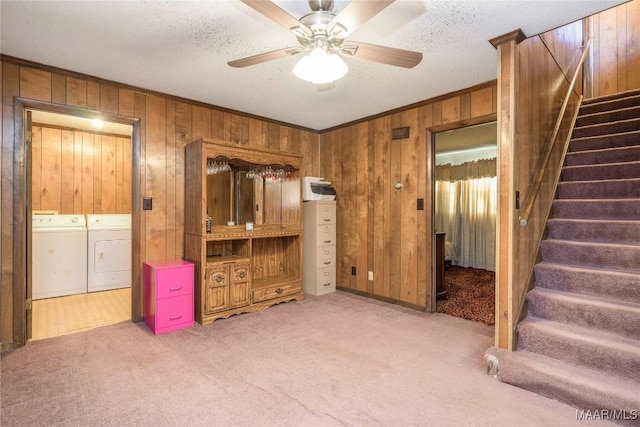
(79, 194)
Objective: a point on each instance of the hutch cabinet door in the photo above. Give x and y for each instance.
(240, 290)
(216, 296)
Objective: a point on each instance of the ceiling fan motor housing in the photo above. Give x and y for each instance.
(317, 22)
(325, 5)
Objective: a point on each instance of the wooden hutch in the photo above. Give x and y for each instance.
(243, 228)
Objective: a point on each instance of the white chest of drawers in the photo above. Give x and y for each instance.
(319, 250)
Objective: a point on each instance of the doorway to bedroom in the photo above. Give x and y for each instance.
(465, 203)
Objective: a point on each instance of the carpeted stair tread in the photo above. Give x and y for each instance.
(608, 209)
(597, 255)
(620, 113)
(623, 139)
(611, 97)
(604, 155)
(592, 106)
(623, 170)
(614, 316)
(594, 230)
(600, 189)
(611, 353)
(618, 126)
(579, 386)
(610, 284)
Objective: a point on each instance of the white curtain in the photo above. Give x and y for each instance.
(466, 212)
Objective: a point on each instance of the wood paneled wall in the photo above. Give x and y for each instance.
(379, 228)
(167, 125)
(615, 61)
(79, 172)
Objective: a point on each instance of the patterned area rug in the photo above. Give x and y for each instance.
(470, 294)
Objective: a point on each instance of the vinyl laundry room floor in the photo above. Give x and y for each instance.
(75, 313)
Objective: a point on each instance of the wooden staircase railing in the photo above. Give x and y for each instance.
(525, 213)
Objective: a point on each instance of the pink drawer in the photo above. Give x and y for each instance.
(174, 313)
(173, 282)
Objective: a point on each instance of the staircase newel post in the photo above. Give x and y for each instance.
(506, 219)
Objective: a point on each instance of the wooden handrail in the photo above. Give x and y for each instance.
(537, 181)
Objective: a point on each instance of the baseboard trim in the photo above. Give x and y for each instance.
(382, 298)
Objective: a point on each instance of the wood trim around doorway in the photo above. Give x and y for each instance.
(21, 200)
(430, 138)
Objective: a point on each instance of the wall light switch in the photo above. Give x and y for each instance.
(371, 275)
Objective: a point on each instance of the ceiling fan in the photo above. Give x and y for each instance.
(323, 34)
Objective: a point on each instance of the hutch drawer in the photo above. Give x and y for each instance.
(277, 291)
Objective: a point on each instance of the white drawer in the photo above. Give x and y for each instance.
(326, 256)
(326, 278)
(325, 213)
(326, 235)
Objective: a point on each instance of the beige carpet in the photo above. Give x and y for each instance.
(53, 317)
(333, 360)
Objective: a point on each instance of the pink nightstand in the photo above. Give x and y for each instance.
(168, 295)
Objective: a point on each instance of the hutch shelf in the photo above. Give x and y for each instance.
(243, 228)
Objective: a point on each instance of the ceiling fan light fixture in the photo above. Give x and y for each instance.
(320, 67)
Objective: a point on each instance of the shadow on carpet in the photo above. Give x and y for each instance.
(470, 294)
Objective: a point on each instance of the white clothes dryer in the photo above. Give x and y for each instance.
(108, 251)
(58, 256)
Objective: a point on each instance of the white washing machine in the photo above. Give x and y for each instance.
(58, 256)
(109, 251)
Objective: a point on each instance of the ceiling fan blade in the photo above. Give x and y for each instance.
(277, 15)
(264, 57)
(386, 55)
(355, 14)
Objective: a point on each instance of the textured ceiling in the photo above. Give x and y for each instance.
(181, 48)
